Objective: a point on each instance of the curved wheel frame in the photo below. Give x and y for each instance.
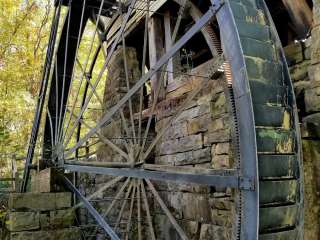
(245, 178)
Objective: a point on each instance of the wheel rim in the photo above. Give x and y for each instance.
(132, 158)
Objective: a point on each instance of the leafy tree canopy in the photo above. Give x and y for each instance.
(24, 29)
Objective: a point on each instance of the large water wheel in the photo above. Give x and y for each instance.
(122, 85)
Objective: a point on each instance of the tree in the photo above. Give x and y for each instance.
(24, 29)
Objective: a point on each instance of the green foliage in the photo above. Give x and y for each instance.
(24, 29)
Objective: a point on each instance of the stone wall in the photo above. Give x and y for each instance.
(199, 138)
(305, 71)
(33, 216)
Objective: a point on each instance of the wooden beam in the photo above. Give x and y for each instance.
(168, 44)
(300, 14)
(156, 50)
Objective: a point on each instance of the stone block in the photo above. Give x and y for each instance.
(181, 187)
(311, 155)
(193, 112)
(307, 53)
(63, 200)
(224, 122)
(224, 203)
(45, 220)
(219, 106)
(184, 144)
(72, 233)
(219, 136)
(294, 53)
(221, 218)
(220, 161)
(299, 72)
(198, 124)
(45, 181)
(195, 207)
(175, 131)
(22, 221)
(312, 99)
(222, 148)
(209, 231)
(311, 126)
(315, 47)
(62, 218)
(186, 158)
(39, 201)
(316, 12)
(299, 89)
(313, 74)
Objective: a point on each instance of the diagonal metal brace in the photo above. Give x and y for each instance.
(91, 210)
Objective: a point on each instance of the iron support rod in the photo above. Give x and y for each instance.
(41, 98)
(92, 210)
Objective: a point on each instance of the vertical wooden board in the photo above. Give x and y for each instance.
(156, 50)
(168, 44)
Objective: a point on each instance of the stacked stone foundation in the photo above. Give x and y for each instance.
(40, 214)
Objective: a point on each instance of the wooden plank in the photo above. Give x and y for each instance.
(168, 44)
(156, 50)
(300, 14)
(137, 16)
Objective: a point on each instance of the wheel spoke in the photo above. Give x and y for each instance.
(124, 203)
(146, 204)
(89, 83)
(128, 87)
(125, 125)
(64, 70)
(131, 209)
(113, 47)
(167, 211)
(57, 103)
(139, 209)
(51, 127)
(143, 69)
(83, 75)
